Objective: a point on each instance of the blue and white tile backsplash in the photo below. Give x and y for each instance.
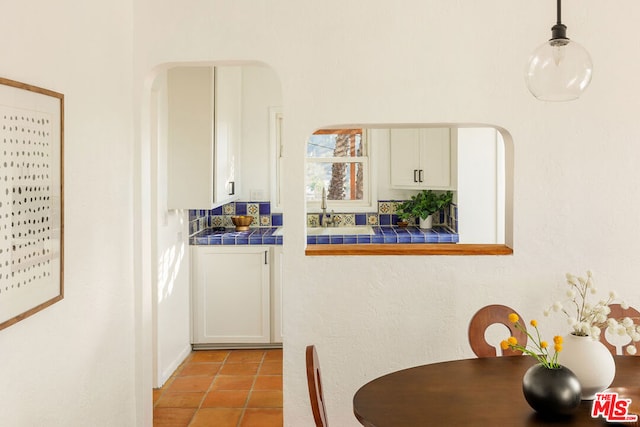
(220, 217)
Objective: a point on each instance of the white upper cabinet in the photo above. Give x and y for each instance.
(228, 132)
(423, 158)
(204, 133)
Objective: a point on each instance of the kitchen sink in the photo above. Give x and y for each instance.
(333, 231)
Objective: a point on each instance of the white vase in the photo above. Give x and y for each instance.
(591, 361)
(426, 223)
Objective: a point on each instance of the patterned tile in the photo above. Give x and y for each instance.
(313, 220)
(265, 220)
(384, 207)
(229, 209)
(253, 209)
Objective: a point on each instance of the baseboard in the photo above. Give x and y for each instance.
(169, 370)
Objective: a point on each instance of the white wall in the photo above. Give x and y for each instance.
(171, 272)
(376, 62)
(480, 195)
(260, 92)
(72, 364)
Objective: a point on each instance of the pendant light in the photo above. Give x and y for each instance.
(560, 69)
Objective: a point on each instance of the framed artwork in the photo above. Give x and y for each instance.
(31, 200)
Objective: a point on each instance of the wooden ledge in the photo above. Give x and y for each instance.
(408, 249)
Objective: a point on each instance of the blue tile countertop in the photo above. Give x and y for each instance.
(254, 236)
(383, 235)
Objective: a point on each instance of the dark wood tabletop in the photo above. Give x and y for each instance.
(469, 392)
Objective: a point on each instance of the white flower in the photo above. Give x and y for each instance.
(631, 350)
(571, 293)
(627, 322)
(582, 281)
(546, 313)
(589, 273)
(595, 332)
(594, 290)
(557, 306)
(612, 323)
(624, 305)
(635, 337)
(621, 330)
(613, 295)
(572, 321)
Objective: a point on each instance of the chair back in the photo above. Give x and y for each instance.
(486, 317)
(315, 387)
(617, 312)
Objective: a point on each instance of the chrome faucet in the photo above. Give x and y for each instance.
(326, 220)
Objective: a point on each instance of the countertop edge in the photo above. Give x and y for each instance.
(409, 249)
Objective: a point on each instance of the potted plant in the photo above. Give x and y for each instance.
(423, 205)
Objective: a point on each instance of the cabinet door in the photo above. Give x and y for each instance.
(231, 295)
(421, 158)
(190, 138)
(228, 129)
(435, 158)
(405, 157)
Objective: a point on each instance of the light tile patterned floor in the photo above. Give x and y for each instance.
(223, 388)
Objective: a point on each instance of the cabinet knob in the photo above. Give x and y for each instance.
(415, 175)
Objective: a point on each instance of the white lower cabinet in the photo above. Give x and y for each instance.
(235, 299)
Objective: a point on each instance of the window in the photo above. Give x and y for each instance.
(338, 162)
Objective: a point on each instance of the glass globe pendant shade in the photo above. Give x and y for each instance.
(559, 70)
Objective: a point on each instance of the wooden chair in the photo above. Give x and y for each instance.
(315, 387)
(486, 317)
(617, 312)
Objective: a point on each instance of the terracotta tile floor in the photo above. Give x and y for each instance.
(221, 388)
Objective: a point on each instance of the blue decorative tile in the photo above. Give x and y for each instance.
(269, 240)
(265, 208)
(385, 219)
(279, 240)
(377, 239)
(242, 240)
(217, 211)
(276, 220)
(241, 208)
(229, 240)
(323, 240)
(361, 219)
(312, 240)
(337, 240)
(363, 238)
(350, 240)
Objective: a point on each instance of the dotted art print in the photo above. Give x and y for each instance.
(30, 200)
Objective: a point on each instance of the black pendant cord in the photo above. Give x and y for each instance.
(559, 31)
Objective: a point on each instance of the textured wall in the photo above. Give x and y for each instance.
(431, 61)
(72, 364)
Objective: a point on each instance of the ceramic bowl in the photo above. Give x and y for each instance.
(242, 222)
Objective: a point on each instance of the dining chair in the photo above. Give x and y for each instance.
(487, 316)
(617, 312)
(315, 387)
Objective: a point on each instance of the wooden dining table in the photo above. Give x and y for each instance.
(470, 392)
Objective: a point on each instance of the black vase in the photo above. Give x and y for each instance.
(551, 391)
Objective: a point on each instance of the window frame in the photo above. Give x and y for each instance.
(368, 203)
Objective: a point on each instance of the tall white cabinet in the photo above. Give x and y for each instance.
(236, 295)
(204, 136)
(422, 158)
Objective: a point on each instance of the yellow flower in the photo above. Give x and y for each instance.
(534, 323)
(512, 341)
(557, 348)
(544, 344)
(557, 339)
(513, 318)
(504, 345)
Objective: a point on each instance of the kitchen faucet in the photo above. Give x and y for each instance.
(324, 218)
